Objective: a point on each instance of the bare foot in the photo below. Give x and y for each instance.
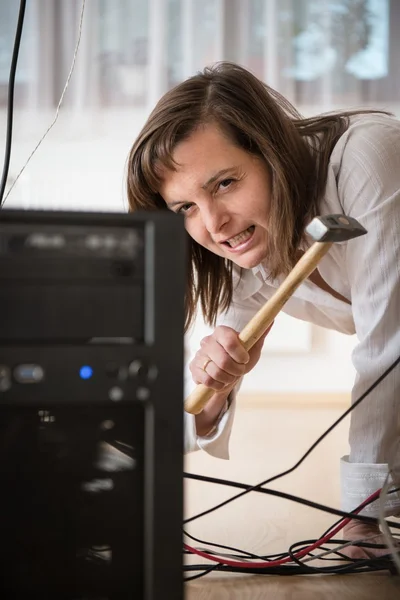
(355, 530)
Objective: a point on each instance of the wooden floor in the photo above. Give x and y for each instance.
(305, 587)
(267, 439)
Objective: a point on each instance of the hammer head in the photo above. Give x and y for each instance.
(334, 228)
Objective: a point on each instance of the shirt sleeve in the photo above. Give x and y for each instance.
(369, 189)
(216, 443)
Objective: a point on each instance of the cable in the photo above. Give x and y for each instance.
(240, 566)
(286, 496)
(394, 548)
(283, 567)
(312, 447)
(374, 564)
(335, 569)
(10, 101)
(266, 566)
(368, 566)
(299, 554)
(237, 550)
(303, 566)
(361, 517)
(204, 572)
(385, 527)
(57, 109)
(362, 542)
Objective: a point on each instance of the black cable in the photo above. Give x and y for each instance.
(300, 567)
(339, 557)
(393, 491)
(384, 562)
(338, 569)
(355, 566)
(301, 546)
(286, 496)
(203, 572)
(242, 553)
(10, 103)
(301, 460)
(369, 567)
(341, 569)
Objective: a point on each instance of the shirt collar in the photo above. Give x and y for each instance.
(246, 282)
(261, 272)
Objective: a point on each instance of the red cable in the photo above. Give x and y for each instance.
(281, 561)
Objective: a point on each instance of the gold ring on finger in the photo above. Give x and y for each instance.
(206, 363)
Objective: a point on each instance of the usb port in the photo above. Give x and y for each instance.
(28, 373)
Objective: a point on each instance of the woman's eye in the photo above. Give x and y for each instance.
(225, 183)
(184, 208)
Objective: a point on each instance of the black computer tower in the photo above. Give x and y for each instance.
(91, 405)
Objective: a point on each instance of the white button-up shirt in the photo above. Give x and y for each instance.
(363, 182)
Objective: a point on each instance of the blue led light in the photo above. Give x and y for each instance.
(85, 372)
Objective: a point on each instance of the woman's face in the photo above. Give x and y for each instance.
(224, 193)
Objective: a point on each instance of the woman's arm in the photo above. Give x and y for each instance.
(369, 188)
(210, 430)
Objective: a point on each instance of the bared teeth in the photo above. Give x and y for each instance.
(241, 237)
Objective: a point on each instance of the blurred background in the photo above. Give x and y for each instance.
(321, 54)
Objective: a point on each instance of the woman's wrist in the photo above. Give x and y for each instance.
(212, 412)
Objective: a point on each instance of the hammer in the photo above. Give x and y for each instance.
(324, 231)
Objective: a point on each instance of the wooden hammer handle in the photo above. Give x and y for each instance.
(255, 328)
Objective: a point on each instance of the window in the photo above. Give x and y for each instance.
(321, 54)
(317, 52)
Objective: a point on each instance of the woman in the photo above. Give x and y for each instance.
(248, 173)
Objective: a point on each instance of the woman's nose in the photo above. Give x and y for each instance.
(214, 218)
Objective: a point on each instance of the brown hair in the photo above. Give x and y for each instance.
(260, 121)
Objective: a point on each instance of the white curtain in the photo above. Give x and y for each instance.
(321, 54)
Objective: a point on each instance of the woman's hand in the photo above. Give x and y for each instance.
(222, 359)
(355, 530)
(219, 364)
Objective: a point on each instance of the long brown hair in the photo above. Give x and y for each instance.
(260, 121)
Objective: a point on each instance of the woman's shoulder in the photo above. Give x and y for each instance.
(374, 129)
(368, 136)
(365, 163)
